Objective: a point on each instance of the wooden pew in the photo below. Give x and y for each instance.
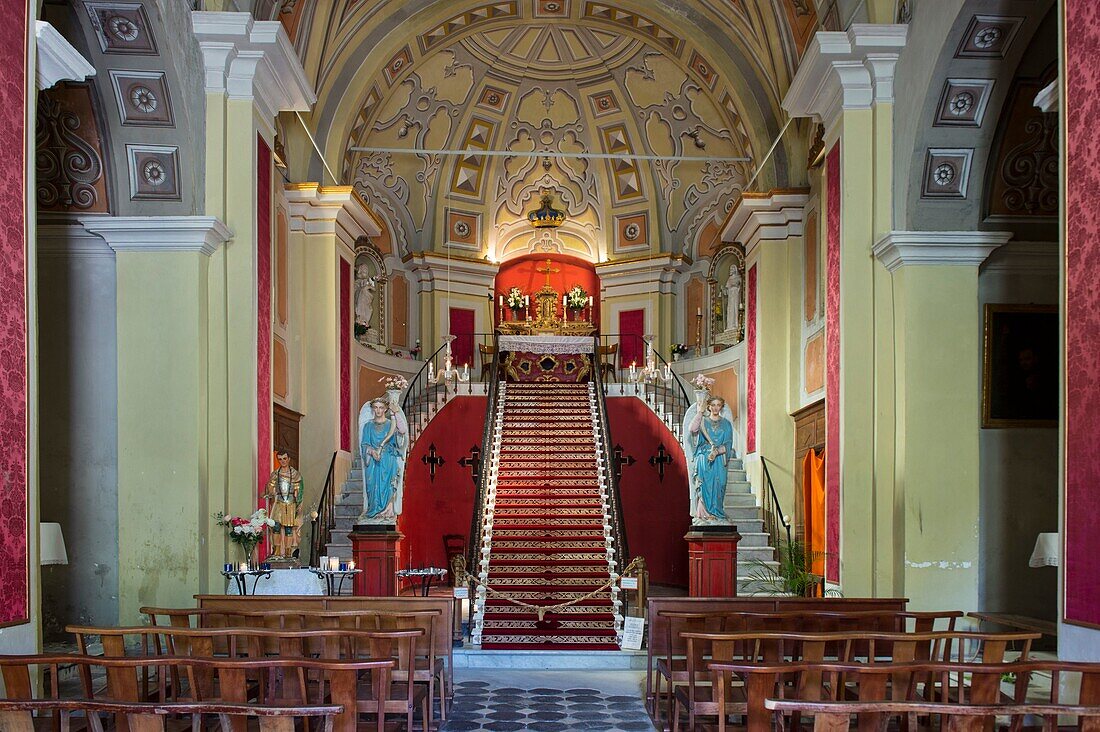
(710, 656)
(835, 716)
(338, 682)
(443, 632)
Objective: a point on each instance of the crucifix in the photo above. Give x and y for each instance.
(618, 457)
(660, 460)
(433, 461)
(548, 271)
(473, 462)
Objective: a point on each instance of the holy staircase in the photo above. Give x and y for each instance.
(547, 536)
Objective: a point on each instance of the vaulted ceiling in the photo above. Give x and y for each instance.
(560, 77)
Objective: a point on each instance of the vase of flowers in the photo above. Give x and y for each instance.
(395, 384)
(702, 386)
(678, 350)
(248, 532)
(576, 300)
(515, 301)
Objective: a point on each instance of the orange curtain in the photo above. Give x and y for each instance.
(813, 492)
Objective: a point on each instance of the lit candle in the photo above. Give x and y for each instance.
(431, 372)
(465, 372)
(589, 301)
(502, 302)
(243, 567)
(526, 301)
(351, 566)
(698, 312)
(632, 369)
(334, 563)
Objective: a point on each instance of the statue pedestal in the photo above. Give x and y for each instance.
(712, 561)
(375, 552)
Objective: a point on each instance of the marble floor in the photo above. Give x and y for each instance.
(516, 699)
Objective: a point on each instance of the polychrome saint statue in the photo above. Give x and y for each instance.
(708, 439)
(383, 443)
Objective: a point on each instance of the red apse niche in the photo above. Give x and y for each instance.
(523, 273)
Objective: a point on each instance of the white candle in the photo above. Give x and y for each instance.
(564, 298)
(698, 312)
(243, 567)
(502, 302)
(589, 301)
(334, 563)
(351, 566)
(526, 301)
(431, 372)
(466, 372)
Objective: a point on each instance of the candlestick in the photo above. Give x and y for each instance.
(526, 301)
(431, 373)
(698, 312)
(502, 302)
(465, 372)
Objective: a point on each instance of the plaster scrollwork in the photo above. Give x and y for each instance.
(66, 165)
(1030, 169)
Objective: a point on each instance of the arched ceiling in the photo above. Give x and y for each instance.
(696, 79)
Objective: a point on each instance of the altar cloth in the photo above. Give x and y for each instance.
(282, 582)
(546, 343)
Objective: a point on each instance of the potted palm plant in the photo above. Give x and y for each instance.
(792, 575)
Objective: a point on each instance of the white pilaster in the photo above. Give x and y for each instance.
(846, 70)
(58, 60)
(902, 248)
(252, 59)
(159, 233)
(317, 209)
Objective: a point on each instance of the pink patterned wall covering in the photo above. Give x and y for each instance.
(263, 314)
(14, 570)
(345, 355)
(750, 336)
(832, 366)
(1082, 315)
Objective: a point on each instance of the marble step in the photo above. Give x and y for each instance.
(738, 487)
(747, 554)
(739, 500)
(741, 513)
(752, 539)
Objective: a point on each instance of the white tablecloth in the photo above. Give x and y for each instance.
(281, 582)
(1047, 549)
(546, 344)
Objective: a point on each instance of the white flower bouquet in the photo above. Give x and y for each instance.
(702, 382)
(515, 298)
(396, 382)
(248, 532)
(577, 298)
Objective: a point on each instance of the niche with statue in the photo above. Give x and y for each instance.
(726, 280)
(369, 295)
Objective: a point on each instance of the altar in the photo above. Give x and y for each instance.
(541, 344)
(547, 311)
(280, 582)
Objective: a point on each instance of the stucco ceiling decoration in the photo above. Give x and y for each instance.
(555, 83)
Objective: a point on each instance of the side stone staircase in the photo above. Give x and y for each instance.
(349, 505)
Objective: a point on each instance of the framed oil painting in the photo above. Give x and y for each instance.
(1020, 366)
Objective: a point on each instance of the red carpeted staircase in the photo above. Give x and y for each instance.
(547, 537)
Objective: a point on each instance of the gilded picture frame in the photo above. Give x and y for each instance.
(1019, 366)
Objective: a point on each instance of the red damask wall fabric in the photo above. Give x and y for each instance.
(14, 581)
(345, 355)
(263, 314)
(631, 346)
(750, 322)
(462, 328)
(435, 508)
(1082, 314)
(521, 272)
(832, 366)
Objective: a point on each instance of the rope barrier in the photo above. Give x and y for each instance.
(543, 609)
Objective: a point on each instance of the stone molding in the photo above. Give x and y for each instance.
(1026, 257)
(846, 70)
(200, 234)
(1048, 97)
(69, 240)
(252, 60)
(775, 216)
(317, 209)
(970, 248)
(58, 60)
(430, 271)
(642, 276)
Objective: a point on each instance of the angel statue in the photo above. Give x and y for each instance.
(383, 443)
(708, 444)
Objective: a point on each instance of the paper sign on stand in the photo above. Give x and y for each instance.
(633, 631)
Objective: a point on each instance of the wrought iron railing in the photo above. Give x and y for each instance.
(667, 396)
(325, 521)
(774, 518)
(488, 436)
(424, 397)
(618, 526)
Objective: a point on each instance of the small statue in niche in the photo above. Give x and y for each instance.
(284, 502)
(733, 296)
(365, 288)
(383, 433)
(708, 444)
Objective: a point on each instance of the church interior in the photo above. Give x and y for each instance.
(487, 364)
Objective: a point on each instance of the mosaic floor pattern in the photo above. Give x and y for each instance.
(484, 705)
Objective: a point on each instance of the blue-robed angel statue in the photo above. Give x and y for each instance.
(709, 446)
(383, 442)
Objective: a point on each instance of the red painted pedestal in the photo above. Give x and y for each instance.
(376, 554)
(712, 563)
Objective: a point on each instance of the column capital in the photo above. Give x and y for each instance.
(758, 217)
(159, 233)
(58, 60)
(252, 60)
(841, 70)
(340, 210)
(902, 248)
(467, 275)
(641, 275)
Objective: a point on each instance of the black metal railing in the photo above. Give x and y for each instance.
(774, 518)
(424, 397)
(326, 515)
(488, 436)
(667, 396)
(618, 526)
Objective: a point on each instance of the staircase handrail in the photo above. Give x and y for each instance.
(326, 514)
(773, 514)
(488, 435)
(618, 526)
(671, 395)
(414, 407)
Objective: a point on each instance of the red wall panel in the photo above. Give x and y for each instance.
(263, 314)
(631, 330)
(445, 505)
(345, 355)
(462, 328)
(750, 387)
(655, 512)
(832, 366)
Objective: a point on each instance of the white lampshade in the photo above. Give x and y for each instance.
(51, 544)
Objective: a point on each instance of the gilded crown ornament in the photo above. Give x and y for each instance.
(546, 216)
